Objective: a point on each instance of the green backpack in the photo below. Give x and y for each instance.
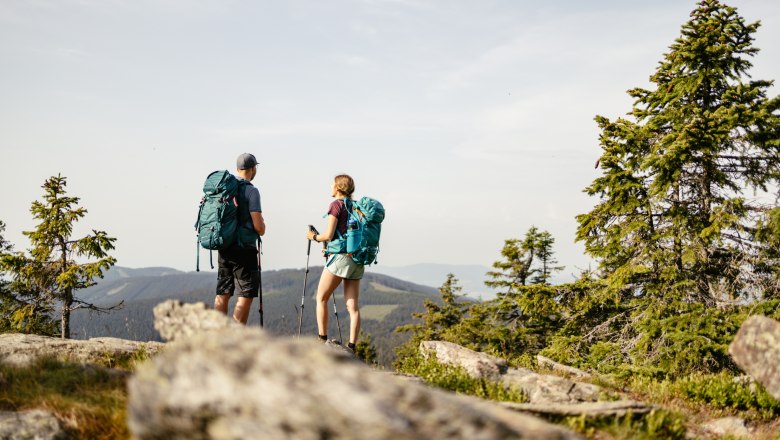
(368, 215)
(219, 217)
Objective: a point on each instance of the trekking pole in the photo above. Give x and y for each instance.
(338, 323)
(260, 276)
(305, 278)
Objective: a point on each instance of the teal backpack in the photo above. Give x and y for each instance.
(219, 217)
(362, 240)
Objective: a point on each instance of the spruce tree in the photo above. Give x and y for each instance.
(515, 269)
(546, 256)
(438, 321)
(677, 217)
(58, 265)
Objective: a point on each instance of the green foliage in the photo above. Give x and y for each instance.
(676, 217)
(527, 261)
(90, 401)
(438, 321)
(726, 391)
(20, 311)
(658, 424)
(55, 268)
(365, 350)
(686, 250)
(456, 379)
(710, 392)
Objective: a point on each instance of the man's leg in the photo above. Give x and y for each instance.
(225, 283)
(241, 312)
(221, 303)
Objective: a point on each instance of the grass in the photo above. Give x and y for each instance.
(456, 379)
(382, 288)
(377, 312)
(658, 424)
(89, 401)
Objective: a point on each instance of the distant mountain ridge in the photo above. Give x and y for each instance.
(471, 277)
(386, 303)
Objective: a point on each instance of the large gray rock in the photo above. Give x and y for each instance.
(727, 426)
(618, 408)
(174, 319)
(21, 350)
(540, 388)
(548, 388)
(239, 382)
(478, 365)
(756, 349)
(30, 425)
(546, 362)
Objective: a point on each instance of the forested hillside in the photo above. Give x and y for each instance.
(386, 303)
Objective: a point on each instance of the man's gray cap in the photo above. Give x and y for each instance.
(246, 161)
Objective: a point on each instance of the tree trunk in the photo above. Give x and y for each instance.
(65, 323)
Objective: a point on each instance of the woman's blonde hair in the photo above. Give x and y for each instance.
(344, 184)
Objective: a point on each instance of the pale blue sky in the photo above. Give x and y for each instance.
(470, 120)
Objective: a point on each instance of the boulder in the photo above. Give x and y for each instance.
(540, 388)
(239, 382)
(30, 425)
(756, 349)
(174, 319)
(560, 368)
(617, 408)
(478, 365)
(548, 388)
(727, 426)
(21, 349)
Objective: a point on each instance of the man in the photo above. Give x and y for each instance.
(239, 262)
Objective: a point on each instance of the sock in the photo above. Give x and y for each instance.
(351, 346)
(323, 338)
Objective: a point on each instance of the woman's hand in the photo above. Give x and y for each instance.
(310, 235)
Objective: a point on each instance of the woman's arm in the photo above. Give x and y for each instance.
(330, 229)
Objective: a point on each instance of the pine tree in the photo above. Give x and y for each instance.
(677, 217)
(52, 273)
(546, 256)
(515, 269)
(437, 320)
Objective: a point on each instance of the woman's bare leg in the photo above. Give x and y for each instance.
(351, 294)
(328, 283)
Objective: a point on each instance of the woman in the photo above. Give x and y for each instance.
(339, 264)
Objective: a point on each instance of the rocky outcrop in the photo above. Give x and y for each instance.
(30, 425)
(546, 362)
(727, 426)
(174, 319)
(618, 408)
(21, 350)
(540, 388)
(239, 382)
(756, 349)
(478, 365)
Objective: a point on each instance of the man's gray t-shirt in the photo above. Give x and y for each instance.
(252, 196)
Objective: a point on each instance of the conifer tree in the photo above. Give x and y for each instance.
(56, 267)
(527, 261)
(437, 320)
(546, 256)
(677, 216)
(515, 269)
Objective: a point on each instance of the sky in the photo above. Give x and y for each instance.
(470, 121)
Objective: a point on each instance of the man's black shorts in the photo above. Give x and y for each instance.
(237, 263)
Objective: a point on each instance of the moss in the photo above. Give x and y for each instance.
(458, 380)
(658, 424)
(90, 402)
